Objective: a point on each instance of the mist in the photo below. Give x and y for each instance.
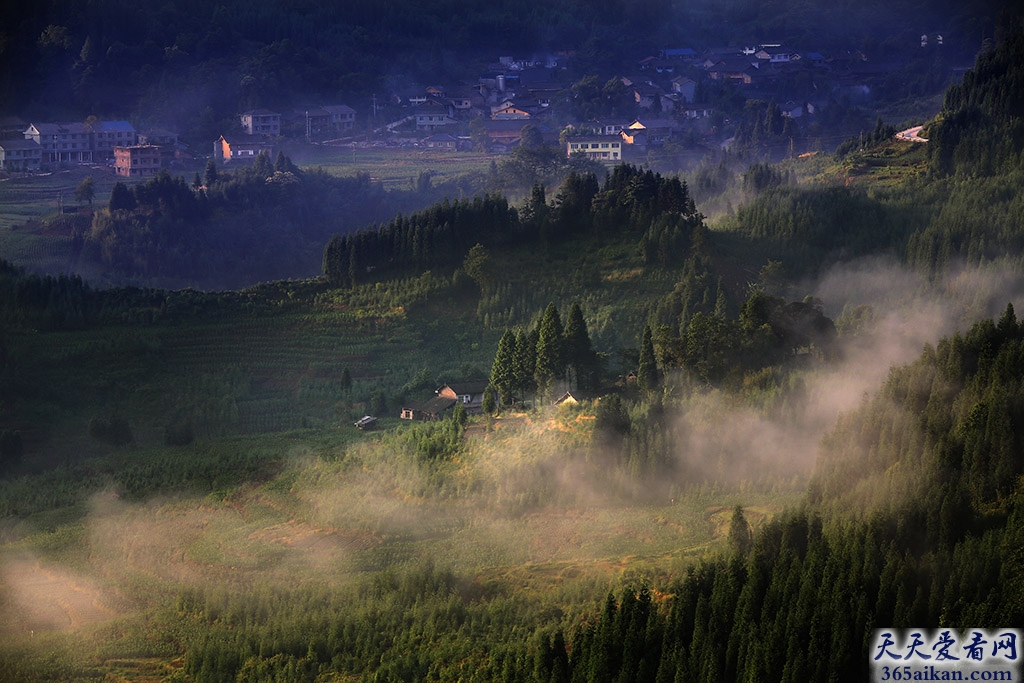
(727, 441)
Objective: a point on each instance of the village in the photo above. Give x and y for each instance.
(678, 96)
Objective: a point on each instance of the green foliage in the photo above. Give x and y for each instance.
(648, 375)
(503, 377)
(113, 430)
(979, 130)
(86, 190)
(551, 357)
(881, 134)
(740, 536)
(432, 238)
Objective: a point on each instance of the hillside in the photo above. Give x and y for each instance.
(794, 422)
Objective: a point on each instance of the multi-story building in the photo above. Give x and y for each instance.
(62, 142)
(110, 134)
(137, 161)
(20, 155)
(598, 148)
(81, 143)
(343, 117)
(261, 122)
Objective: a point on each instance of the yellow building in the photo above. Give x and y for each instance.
(598, 148)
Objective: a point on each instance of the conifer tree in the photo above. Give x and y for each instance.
(550, 363)
(525, 360)
(503, 370)
(740, 537)
(648, 376)
(579, 353)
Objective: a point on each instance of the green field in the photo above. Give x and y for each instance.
(393, 167)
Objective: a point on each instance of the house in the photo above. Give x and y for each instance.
(685, 87)
(20, 155)
(503, 133)
(431, 410)
(657, 131)
(714, 55)
(241, 148)
(606, 127)
(316, 122)
(738, 70)
(776, 54)
(543, 92)
(598, 147)
(469, 394)
(442, 141)
(463, 99)
(137, 161)
(166, 140)
(261, 122)
(432, 115)
(508, 111)
(645, 95)
(342, 117)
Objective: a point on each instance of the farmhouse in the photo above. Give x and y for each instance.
(433, 409)
(442, 141)
(470, 395)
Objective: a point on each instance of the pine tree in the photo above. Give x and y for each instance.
(550, 363)
(210, 176)
(503, 371)
(648, 376)
(740, 537)
(579, 353)
(525, 361)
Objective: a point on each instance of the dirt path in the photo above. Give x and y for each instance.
(49, 599)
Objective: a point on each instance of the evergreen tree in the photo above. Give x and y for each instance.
(550, 362)
(262, 166)
(740, 536)
(503, 369)
(648, 376)
(579, 353)
(121, 198)
(210, 176)
(525, 361)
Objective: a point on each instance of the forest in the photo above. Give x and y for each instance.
(796, 417)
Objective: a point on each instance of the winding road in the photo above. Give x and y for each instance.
(911, 135)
